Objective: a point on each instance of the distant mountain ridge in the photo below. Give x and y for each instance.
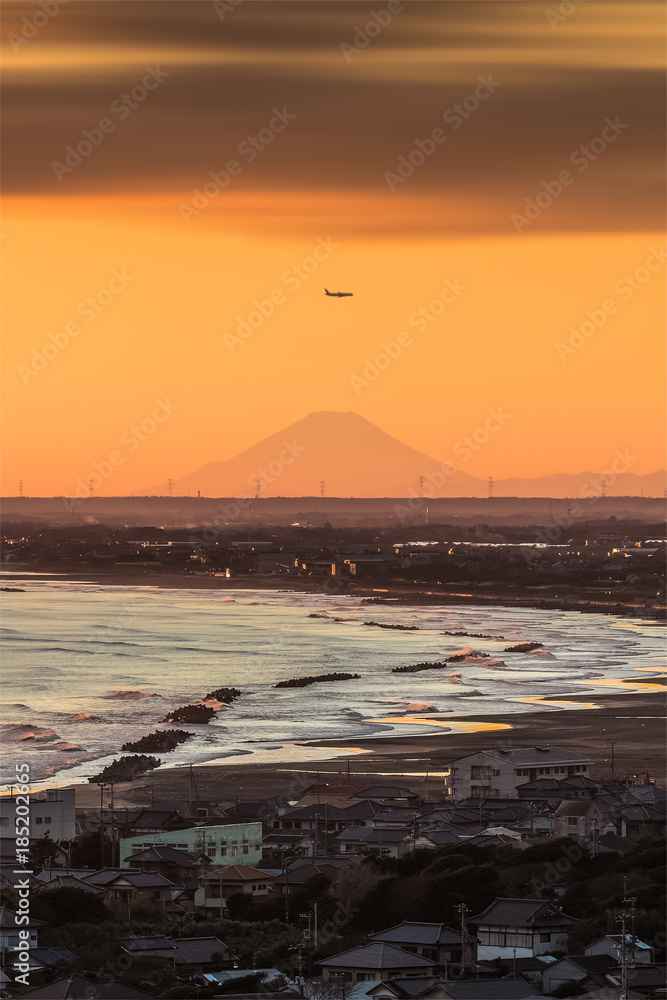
(344, 455)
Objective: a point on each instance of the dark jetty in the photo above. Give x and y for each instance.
(459, 657)
(414, 668)
(13, 590)
(473, 635)
(302, 682)
(193, 714)
(523, 647)
(126, 769)
(397, 628)
(228, 695)
(161, 741)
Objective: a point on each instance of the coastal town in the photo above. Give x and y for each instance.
(524, 871)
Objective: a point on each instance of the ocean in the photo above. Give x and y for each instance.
(87, 667)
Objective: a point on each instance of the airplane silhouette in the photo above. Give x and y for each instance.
(338, 295)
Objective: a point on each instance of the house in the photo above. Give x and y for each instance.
(65, 881)
(51, 811)
(389, 795)
(303, 869)
(419, 988)
(612, 944)
(120, 884)
(79, 988)
(374, 961)
(9, 937)
(290, 843)
(578, 818)
(498, 773)
(191, 956)
(491, 989)
(525, 927)
(218, 884)
(223, 843)
(383, 843)
(574, 968)
(178, 866)
(48, 958)
(644, 981)
(148, 821)
(434, 942)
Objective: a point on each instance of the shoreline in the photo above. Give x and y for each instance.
(570, 598)
(635, 722)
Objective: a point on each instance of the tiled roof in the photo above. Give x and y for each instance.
(168, 854)
(384, 792)
(491, 989)
(52, 956)
(377, 955)
(414, 932)
(507, 912)
(235, 873)
(139, 944)
(199, 950)
(69, 882)
(78, 988)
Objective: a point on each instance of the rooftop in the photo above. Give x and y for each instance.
(377, 955)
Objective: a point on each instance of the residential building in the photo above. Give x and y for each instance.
(190, 956)
(374, 961)
(612, 944)
(578, 818)
(178, 866)
(574, 968)
(224, 844)
(122, 883)
(522, 927)
(218, 884)
(51, 811)
(498, 773)
(383, 843)
(79, 988)
(9, 937)
(434, 942)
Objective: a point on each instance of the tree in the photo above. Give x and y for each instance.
(69, 906)
(43, 853)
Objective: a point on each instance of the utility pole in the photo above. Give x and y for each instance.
(463, 909)
(257, 489)
(322, 484)
(113, 828)
(421, 486)
(612, 744)
(90, 487)
(101, 824)
(170, 484)
(604, 487)
(20, 487)
(490, 486)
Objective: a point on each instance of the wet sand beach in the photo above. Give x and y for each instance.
(635, 722)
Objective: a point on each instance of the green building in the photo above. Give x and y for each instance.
(224, 844)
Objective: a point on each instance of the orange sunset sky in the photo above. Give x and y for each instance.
(170, 277)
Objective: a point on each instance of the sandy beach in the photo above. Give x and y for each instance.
(635, 722)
